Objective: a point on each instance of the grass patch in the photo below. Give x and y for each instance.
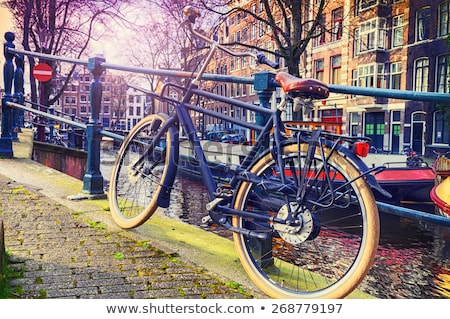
(96, 225)
(20, 189)
(6, 291)
(119, 256)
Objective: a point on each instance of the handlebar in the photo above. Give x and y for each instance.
(193, 13)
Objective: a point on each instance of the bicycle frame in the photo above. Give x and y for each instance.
(294, 196)
(180, 117)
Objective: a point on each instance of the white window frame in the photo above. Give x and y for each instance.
(397, 30)
(371, 75)
(396, 71)
(421, 74)
(442, 73)
(444, 18)
(371, 35)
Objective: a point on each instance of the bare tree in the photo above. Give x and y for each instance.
(61, 27)
(291, 24)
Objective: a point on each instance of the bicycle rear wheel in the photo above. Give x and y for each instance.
(139, 172)
(330, 251)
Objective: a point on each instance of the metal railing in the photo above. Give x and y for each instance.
(93, 181)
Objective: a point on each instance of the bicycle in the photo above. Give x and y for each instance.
(441, 166)
(300, 205)
(413, 159)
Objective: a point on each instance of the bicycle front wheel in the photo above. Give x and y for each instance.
(330, 249)
(139, 172)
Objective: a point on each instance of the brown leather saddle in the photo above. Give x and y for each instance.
(305, 88)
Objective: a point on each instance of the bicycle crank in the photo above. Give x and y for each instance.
(300, 231)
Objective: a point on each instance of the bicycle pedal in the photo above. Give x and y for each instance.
(212, 204)
(224, 191)
(206, 219)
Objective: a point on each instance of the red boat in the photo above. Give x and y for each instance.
(406, 184)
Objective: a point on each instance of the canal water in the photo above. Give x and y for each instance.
(413, 259)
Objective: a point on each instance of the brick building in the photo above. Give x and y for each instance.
(393, 44)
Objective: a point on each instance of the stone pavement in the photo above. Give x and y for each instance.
(71, 249)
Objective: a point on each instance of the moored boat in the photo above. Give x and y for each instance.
(440, 194)
(406, 184)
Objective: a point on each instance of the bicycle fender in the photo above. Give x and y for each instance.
(362, 167)
(163, 199)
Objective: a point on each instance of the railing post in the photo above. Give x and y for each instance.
(19, 97)
(51, 125)
(6, 149)
(72, 133)
(264, 87)
(93, 179)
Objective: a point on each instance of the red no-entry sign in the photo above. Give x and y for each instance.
(42, 72)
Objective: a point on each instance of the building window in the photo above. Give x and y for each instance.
(371, 35)
(444, 23)
(396, 124)
(421, 75)
(397, 31)
(336, 69)
(131, 111)
(319, 33)
(423, 24)
(244, 35)
(319, 69)
(261, 28)
(443, 74)
(365, 4)
(253, 31)
(371, 75)
(354, 124)
(337, 16)
(356, 40)
(441, 130)
(396, 74)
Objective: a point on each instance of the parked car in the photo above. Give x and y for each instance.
(215, 135)
(234, 139)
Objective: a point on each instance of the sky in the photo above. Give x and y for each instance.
(5, 25)
(107, 47)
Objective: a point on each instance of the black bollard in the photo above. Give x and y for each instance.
(6, 149)
(93, 179)
(19, 90)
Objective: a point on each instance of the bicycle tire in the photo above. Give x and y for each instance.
(332, 261)
(134, 190)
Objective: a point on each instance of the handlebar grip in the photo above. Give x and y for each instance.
(263, 60)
